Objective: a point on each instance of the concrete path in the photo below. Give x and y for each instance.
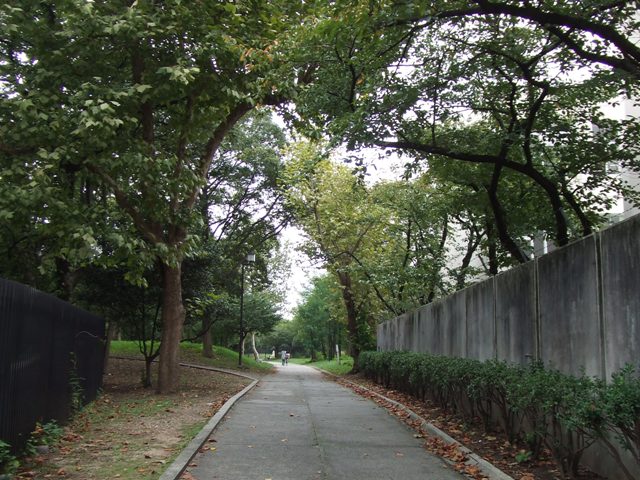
(295, 425)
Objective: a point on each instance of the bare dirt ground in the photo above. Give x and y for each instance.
(492, 446)
(130, 432)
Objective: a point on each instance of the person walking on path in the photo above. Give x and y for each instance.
(297, 425)
(283, 356)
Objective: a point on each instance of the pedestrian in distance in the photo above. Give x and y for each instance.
(283, 357)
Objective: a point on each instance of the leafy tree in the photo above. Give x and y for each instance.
(329, 203)
(137, 99)
(242, 206)
(261, 315)
(133, 310)
(461, 83)
(318, 320)
(281, 338)
(596, 32)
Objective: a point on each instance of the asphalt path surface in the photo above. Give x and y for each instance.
(298, 425)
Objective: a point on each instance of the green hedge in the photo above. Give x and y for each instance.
(533, 404)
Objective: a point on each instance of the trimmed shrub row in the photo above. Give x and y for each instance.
(542, 407)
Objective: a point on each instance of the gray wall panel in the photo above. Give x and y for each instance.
(569, 309)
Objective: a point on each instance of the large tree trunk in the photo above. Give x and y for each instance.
(146, 381)
(172, 322)
(352, 317)
(492, 247)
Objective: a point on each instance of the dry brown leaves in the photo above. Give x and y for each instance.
(492, 447)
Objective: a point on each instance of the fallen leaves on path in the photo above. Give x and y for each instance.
(492, 446)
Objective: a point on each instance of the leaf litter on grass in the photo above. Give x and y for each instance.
(130, 432)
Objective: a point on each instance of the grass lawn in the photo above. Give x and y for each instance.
(332, 366)
(129, 432)
(192, 353)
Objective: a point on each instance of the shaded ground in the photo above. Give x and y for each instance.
(493, 447)
(130, 432)
(298, 425)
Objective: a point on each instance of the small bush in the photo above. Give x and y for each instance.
(8, 462)
(538, 406)
(46, 434)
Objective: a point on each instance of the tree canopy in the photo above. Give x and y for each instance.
(138, 147)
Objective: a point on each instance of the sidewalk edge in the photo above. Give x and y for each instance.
(179, 465)
(493, 472)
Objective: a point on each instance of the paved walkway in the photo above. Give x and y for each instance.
(295, 425)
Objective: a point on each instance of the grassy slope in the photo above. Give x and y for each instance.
(192, 353)
(332, 366)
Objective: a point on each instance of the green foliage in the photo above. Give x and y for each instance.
(622, 409)
(553, 406)
(192, 353)
(8, 461)
(332, 366)
(46, 434)
(113, 118)
(500, 110)
(538, 406)
(282, 338)
(319, 319)
(332, 207)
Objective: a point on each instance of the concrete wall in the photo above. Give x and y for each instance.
(576, 309)
(620, 253)
(516, 313)
(569, 305)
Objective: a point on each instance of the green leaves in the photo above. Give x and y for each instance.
(445, 84)
(543, 406)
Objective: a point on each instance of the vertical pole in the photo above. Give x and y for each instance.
(241, 313)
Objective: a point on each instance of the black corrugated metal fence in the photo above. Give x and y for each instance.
(46, 346)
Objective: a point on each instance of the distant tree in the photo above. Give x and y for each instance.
(319, 318)
(329, 204)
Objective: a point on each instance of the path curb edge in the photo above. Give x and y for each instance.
(179, 465)
(493, 472)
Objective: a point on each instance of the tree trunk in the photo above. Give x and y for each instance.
(587, 226)
(562, 235)
(472, 243)
(492, 247)
(256, 355)
(207, 342)
(352, 316)
(112, 331)
(66, 279)
(500, 221)
(146, 381)
(172, 322)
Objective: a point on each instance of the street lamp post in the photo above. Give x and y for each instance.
(251, 257)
